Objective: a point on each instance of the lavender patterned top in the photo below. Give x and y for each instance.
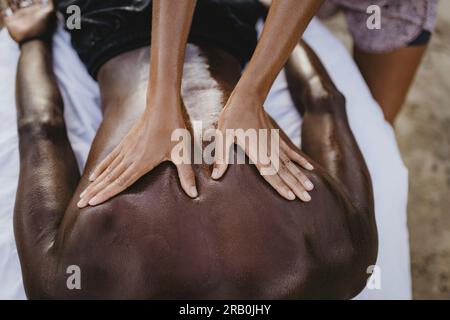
(401, 21)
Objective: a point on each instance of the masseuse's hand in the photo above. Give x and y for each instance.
(28, 19)
(147, 145)
(283, 172)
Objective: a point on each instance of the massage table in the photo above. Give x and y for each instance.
(391, 279)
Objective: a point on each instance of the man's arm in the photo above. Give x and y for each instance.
(48, 168)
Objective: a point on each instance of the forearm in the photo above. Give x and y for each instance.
(38, 96)
(171, 23)
(286, 21)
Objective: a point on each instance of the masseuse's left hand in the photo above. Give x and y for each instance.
(244, 110)
(283, 173)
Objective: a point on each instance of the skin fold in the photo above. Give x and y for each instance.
(237, 240)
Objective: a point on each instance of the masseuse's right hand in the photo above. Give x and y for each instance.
(147, 145)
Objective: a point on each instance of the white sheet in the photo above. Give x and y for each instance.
(83, 116)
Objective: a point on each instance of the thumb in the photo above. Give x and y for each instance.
(187, 179)
(221, 157)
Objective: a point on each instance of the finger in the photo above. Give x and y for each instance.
(296, 172)
(93, 191)
(187, 179)
(105, 174)
(273, 179)
(125, 180)
(280, 186)
(294, 184)
(295, 156)
(104, 164)
(251, 150)
(221, 157)
(106, 177)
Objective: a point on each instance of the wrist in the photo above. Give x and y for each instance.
(35, 41)
(242, 102)
(250, 90)
(247, 97)
(166, 101)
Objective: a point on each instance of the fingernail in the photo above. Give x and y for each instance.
(91, 178)
(306, 196)
(309, 166)
(94, 201)
(309, 185)
(82, 203)
(291, 195)
(215, 174)
(193, 191)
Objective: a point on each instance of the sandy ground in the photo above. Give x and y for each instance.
(423, 132)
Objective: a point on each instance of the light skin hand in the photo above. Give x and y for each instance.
(147, 145)
(244, 109)
(287, 177)
(149, 141)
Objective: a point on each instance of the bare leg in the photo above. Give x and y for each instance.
(326, 135)
(48, 170)
(389, 76)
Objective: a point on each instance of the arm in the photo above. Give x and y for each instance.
(149, 141)
(286, 21)
(48, 169)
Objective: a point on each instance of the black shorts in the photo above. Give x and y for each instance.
(422, 39)
(112, 27)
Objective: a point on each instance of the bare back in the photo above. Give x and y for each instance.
(238, 239)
